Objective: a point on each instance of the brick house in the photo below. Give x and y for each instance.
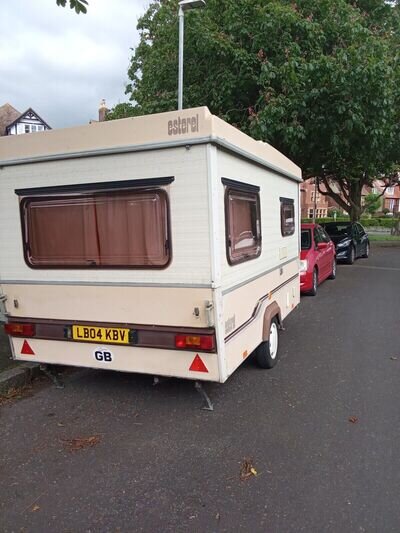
(308, 204)
(390, 198)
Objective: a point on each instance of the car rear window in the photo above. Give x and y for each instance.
(97, 230)
(337, 229)
(305, 239)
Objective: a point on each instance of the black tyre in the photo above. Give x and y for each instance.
(267, 352)
(333, 273)
(366, 253)
(313, 290)
(352, 256)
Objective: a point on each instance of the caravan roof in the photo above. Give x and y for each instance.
(163, 130)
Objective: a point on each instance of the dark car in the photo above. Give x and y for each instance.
(350, 238)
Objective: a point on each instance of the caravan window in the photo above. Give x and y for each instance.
(243, 225)
(287, 217)
(125, 229)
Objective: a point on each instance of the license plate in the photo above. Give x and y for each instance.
(100, 335)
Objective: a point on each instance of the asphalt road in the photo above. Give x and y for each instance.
(164, 465)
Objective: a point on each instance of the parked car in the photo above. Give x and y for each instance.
(350, 238)
(317, 258)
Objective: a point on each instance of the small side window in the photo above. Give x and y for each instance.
(287, 217)
(243, 224)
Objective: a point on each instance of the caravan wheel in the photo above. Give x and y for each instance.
(267, 352)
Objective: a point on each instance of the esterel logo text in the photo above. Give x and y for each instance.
(180, 126)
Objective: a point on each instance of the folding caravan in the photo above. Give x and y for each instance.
(164, 244)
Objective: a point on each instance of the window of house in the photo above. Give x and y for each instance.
(123, 229)
(242, 222)
(33, 128)
(391, 204)
(310, 212)
(390, 190)
(287, 217)
(27, 128)
(313, 196)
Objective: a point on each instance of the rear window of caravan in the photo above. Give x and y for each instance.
(125, 229)
(243, 224)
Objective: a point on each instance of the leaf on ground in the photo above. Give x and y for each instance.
(247, 469)
(393, 358)
(81, 443)
(35, 508)
(15, 394)
(353, 419)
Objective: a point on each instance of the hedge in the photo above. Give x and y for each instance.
(367, 222)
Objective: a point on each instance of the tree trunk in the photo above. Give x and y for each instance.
(356, 209)
(355, 213)
(396, 228)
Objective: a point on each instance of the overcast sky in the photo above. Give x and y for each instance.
(62, 64)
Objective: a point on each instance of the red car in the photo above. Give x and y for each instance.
(317, 258)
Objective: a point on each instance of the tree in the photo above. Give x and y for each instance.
(318, 79)
(78, 5)
(372, 202)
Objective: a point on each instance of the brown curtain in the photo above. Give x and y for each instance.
(125, 229)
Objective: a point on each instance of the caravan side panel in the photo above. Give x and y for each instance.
(249, 287)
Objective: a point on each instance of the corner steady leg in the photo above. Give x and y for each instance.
(208, 405)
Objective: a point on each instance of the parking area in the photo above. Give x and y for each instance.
(320, 430)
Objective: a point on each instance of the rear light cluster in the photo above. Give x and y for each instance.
(137, 337)
(199, 342)
(20, 330)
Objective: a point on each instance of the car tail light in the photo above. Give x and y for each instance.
(20, 330)
(200, 342)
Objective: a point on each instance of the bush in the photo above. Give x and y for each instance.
(366, 222)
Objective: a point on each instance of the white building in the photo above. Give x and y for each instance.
(12, 122)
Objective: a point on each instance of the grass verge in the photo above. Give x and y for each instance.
(384, 238)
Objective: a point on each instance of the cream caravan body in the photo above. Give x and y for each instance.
(164, 244)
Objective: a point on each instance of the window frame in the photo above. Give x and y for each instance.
(91, 192)
(285, 202)
(246, 189)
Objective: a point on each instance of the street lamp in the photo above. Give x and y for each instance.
(183, 6)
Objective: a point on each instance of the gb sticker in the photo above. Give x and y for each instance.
(103, 355)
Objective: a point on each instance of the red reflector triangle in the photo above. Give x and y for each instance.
(198, 365)
(26, 349)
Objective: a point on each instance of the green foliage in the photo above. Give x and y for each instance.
(78, 5)
(372, 203)
(366, 222)
(123, 110)
(318, 79)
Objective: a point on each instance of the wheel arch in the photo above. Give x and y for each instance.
(271, 312)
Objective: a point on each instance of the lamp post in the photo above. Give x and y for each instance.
(183, 6)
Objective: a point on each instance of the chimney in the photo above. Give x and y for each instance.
(102, 110)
